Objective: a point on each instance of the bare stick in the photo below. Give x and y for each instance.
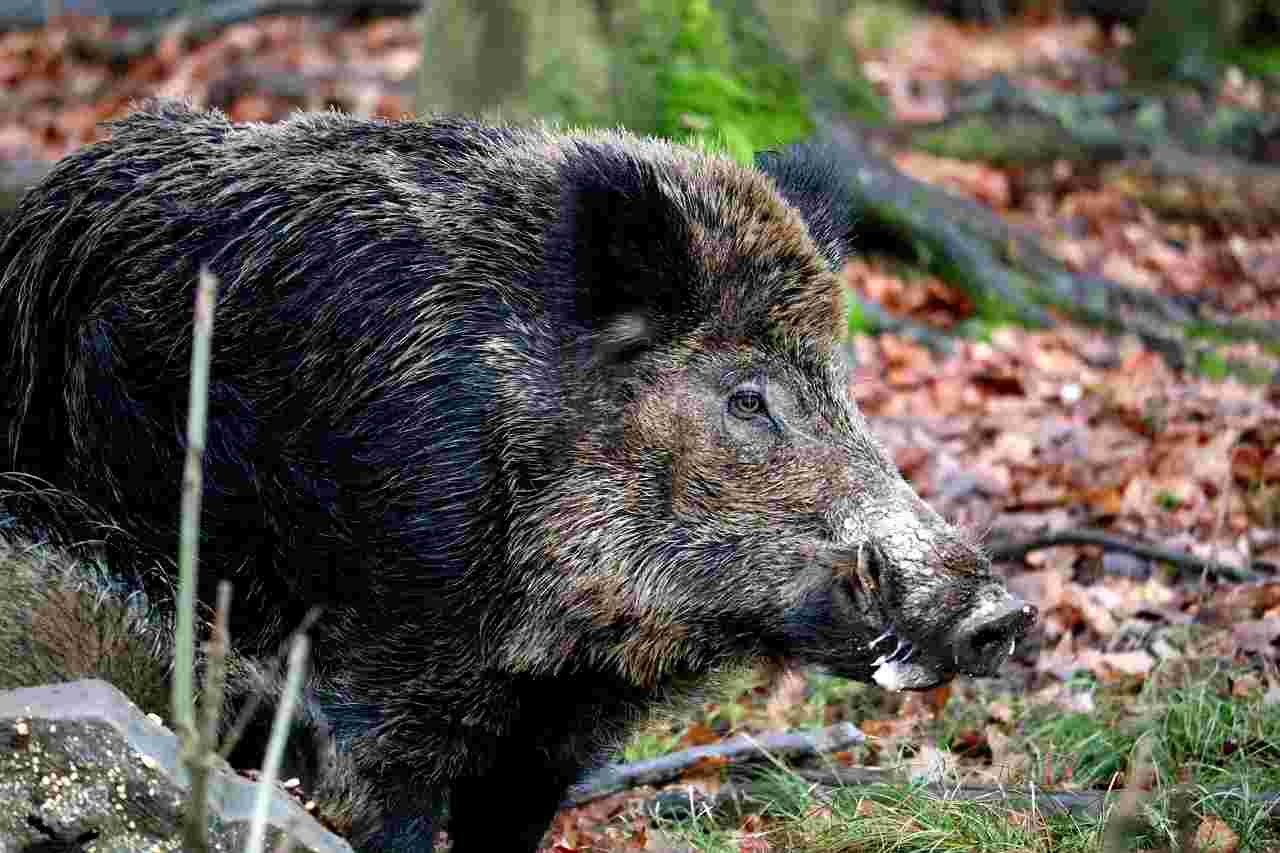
(215, 679)
(276, 743)
(192, 483)
(195, 749)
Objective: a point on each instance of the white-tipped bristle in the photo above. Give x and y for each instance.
(890, 675)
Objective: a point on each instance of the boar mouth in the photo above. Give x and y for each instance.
(901, 667)
(977, 647)
(913, 635)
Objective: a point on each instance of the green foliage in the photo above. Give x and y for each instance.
(1182, 40)
(859, 323)
(1227, 335)
(1212, 364)
(711, 73)
(976, 139)
(830, 698)
(1260, 62)
(718, 89)
(977, 328)
(61, 621)
(1218, 738)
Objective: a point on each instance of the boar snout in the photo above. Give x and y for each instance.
(986, 639)
(944, 610)
(933, 607)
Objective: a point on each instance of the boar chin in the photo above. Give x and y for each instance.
(899, 676)
(977, 647)
(900, 666)
(896, 675)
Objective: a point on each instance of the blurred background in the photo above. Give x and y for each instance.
(1064, 303)
(746, 73)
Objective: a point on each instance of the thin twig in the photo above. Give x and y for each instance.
(1123, 822)
(192, 484)
(215, 679)
(195, 749)
(276, 744)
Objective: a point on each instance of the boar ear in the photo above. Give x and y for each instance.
(808, 176)
(628, 252)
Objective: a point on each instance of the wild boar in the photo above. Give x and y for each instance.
(551, 426)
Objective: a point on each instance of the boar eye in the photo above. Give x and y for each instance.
(746, 404)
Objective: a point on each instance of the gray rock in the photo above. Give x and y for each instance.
(81, 765)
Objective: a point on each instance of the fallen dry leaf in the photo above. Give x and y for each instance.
(698, 734)
(1244, 686)
(786, 697)
(1008, 763)
(1000, 712)
(1214, 836)
(895, 727)
(926, 704)
(1258, 636)
(754, 844)
(1122, 663)
(932, 766)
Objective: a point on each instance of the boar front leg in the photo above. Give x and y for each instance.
(510, 808)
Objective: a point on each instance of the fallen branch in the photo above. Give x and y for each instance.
(659, 771)
(1016, 550)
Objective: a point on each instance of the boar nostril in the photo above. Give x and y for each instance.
(981, 648)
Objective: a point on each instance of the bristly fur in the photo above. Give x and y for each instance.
(551, 426)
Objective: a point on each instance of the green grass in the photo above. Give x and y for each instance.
(907, 819)
(1196, 731)
(652, 741)
(1211, 364)
(1201, 749)
(881, 818)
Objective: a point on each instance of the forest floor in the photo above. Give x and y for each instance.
(1147, 680)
